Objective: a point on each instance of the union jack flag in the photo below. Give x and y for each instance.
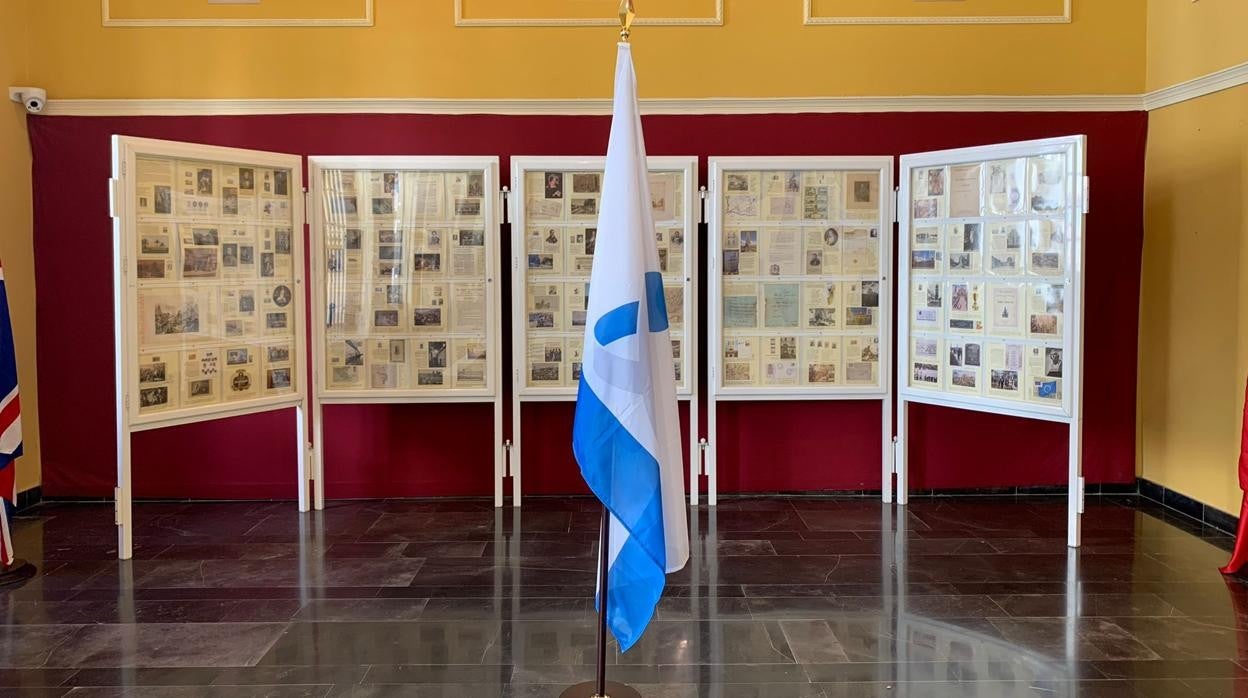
(10, 422)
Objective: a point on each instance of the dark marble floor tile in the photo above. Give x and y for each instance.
(353, 644)
(202, 691)
(1218, 688)
(509, 608)
(496, 675)
(1093, 638)
(33, 678)
(711, 642)
(189, 676)
(697, 608)
(166, 645)
(1058, 605)
(361, 610)
(1172, 669)
(32, 645)
(286, 675)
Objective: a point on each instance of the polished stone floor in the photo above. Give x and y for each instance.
(784, 598)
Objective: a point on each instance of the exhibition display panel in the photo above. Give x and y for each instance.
(208, 292)
(555, 204)
(992, 287)
(406, 287)
(800, 297)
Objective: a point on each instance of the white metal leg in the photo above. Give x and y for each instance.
(500, 452)
(301, 451)
(712, 448)
(513, 458)
(695, 450)
(1074, 490)
(124, 504)
(886, 452)
(903, 452)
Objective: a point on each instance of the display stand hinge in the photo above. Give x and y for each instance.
(896, 202)
(896, 446)
(702, 446)
(114, 197)
(505, 194)
(1087, 193)
(702, 192)
(507, 459)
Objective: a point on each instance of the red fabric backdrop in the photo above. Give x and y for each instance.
(411, 450)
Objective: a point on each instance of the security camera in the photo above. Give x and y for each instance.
(33, 98)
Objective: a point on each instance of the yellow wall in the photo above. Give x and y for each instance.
(16, 245)
(414, 50)
(1188, 39)
(1194, 304)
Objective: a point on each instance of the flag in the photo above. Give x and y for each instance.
(626, 437)
(1239, 557)
(10, 422)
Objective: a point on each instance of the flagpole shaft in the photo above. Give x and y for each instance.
(604, 552)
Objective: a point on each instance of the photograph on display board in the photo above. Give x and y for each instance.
(988, 271)
(560, 224)
(405, 280)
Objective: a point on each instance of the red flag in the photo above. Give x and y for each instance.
(1239, 557)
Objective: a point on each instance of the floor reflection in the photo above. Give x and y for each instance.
(783, 597)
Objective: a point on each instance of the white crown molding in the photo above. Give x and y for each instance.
(366, 20)
(203, 107)
(461, 21)
(1216, 81)
(809, 18)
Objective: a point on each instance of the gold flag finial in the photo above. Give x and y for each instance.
(627, 15)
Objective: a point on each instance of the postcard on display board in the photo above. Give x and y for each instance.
(158, 381)
(779, 360)
(198, 194)
(966, 307)
(821, 195)
(1046, 306)
(926, 306)
(862, 304)
(965, 190)
(862, 360)
(862, 196)
(469, 362)
(1005, 309)
(1046, 247)
(544, 196)
(1003, 187)
(545, 362)
(1005, 369)
(963, 363)
(860, 251)
(823, 250)
(544, 307)
(822, 301)
(740, 305)
(154, 187)
(241, 378)
(279, 376)
(740, 361)
(822, 358)
(925, 361)
(388, 364)
(1044, 374)
(671, 244)
(429, 360)
(428, 306)
(962, 249)
(345, 362)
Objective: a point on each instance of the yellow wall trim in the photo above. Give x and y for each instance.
(1216, 81)
(364, 20)
(462, 21)
(810, 18)
(199, 107)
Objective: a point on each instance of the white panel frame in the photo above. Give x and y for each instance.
(521, 393)
(125, 319)
(366, 20)
(492, 392)
(717, 393)
(1071, 410)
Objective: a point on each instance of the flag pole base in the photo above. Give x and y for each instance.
(589, 689)
(16, 573)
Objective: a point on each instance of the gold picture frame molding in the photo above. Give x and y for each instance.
(809, 18)
(366, 19)
(461, 21)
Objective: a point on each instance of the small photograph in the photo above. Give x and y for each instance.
(1013, 240)
(1004, 380)
(554, 185)
(542, 262)
(246, 254)
(933, 296)
(923, 260)
(472, 238)
(426, 317)
(749, 241)
(201, 388)
(792, 182)
(544, 373)
(926, 208)
(437, 354)
(970, 237)
(203, 182)
(234, 357)
(467, 208)
(871, 294)
(234, 328)
(862, 191)
(831, 237)
(859, 317)
(154, 244)
(152, 373)
(774, 270)
(578, 318)
(788, 348)
(275, 321)
(959, 261)
(586, 183)
(814, 262)
(385, 318)
(394, 294)
(936, 181)
(267, 266)
(738, 182)
(390, 252)
(591, 240)
(281, 241)
(352, 238)
(389, 182)
(822, 317)
(1044, 324)
(388, 236)
(959, 300)
(971, 356)
(164, 199)
(229, 254)
(1053, 362)
(955, 356)
(246, 179)
(199, 263)
(821, 373)
(963, 378)
(925, 347)
(553, 354)
(1004, 262)
(542, 320)
(926, 373)
(961, 325)
(281, 296)
(204, 236)
(732, 262)
(241, 382)
(335, 261)
(427, 262)
(383, 206)
(153, 397)
(278, 355)
(281, 183)
(151, 268)
(278, 378)
(429, 378)
(344, 205)
(476, 184)
(344, 374)
(229, 201)
(870, 352)
(475, 351)
(1046, 261)
(677, 237)
(584, 206)
(391, 269)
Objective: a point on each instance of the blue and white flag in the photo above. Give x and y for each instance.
(627, 432)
